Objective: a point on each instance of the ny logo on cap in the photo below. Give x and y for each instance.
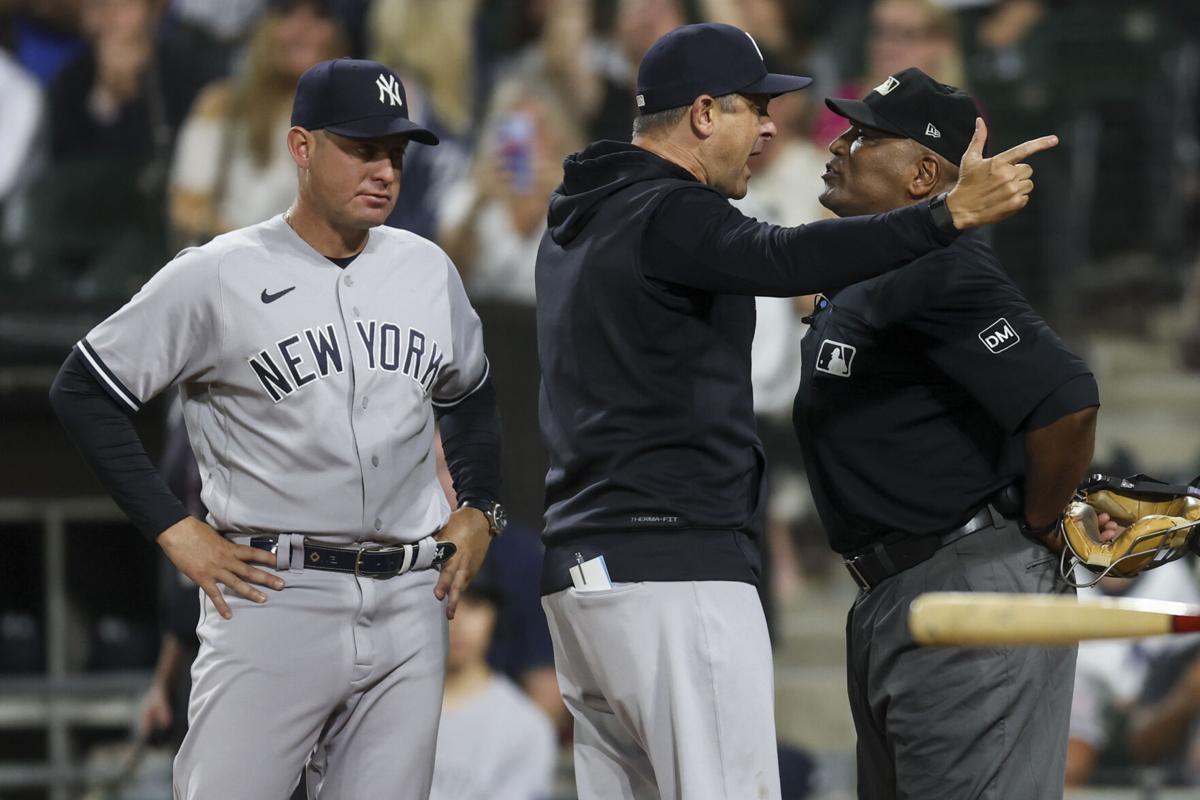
(932, 131)
(389, 89)
(887, 86)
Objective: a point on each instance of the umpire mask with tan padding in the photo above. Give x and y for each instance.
(1158, 520)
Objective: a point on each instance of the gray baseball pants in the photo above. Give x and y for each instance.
(672, 690)
(344, 669)
(952, 722)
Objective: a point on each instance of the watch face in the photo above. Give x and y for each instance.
(499, 518)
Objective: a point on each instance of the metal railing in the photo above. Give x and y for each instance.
(62, 698)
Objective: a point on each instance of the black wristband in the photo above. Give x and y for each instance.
(1029, 530)
(941, 214)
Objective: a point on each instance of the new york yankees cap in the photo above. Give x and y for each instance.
(355, 98)
(706, 58)
(913, 105)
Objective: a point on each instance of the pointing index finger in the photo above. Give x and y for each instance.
(1024, 150)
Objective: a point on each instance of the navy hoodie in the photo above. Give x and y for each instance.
(645, 308)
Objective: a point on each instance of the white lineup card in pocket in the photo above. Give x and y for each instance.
(590, 576)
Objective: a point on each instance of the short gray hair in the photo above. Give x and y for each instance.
(660, 121)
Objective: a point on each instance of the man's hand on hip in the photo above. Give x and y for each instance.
(469, 530)
(992, 189)
(208, 558)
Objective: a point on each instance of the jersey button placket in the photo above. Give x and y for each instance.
(361, 378)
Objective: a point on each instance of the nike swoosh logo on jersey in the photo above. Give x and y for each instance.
(271, 298)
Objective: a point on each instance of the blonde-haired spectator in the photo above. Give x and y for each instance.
(431, 45)
(232, 166)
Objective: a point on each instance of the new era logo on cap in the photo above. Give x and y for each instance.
(930, 130)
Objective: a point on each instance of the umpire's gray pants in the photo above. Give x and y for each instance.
(672, 690)
(951, 722)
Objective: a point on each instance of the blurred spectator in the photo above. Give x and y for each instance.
(232, 167)
(493, 220)
(22, 120)
(521, 646)
(902, 34)
(1189, 317)
(1165, 727)
(163, 715)
(769, 22)
(211, 33)
(1109, 674)
(493, 742)
(126, 95)
(21, 99)
(431, 46)
(640, 23)
(42, 34)
(96, 225)
(785, 184)
(592, 78)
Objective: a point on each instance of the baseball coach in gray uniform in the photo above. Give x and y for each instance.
(645, 311)
(313, 353)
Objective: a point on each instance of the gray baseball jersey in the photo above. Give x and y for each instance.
(308, 391)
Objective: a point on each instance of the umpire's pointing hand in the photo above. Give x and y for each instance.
(992, 189)
(468, 528)
(208, 558)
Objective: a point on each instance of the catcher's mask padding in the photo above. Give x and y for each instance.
(1158, 528)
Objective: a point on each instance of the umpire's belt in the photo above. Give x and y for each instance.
(368, 562)
(870, 568)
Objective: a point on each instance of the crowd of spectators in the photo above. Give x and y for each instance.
(133, 128)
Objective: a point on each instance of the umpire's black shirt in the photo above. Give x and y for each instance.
(918, 388)
(645, 309)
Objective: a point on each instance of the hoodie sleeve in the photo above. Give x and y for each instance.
(698, 240)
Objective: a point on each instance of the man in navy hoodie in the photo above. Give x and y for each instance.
(645, 304)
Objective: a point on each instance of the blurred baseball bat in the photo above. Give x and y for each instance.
(997, 619)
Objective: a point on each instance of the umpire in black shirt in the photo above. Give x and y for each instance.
(645, 310)
(931, 397)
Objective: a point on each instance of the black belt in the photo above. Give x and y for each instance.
(871, 567)
(379, 562)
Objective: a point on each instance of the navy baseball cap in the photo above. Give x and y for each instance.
(706, 58)
(913, 105)
(355, 98)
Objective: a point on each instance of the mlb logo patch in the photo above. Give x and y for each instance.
(999, 336)
(835, 358)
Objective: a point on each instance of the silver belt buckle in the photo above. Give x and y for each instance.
(852, 568)
(358, 556)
